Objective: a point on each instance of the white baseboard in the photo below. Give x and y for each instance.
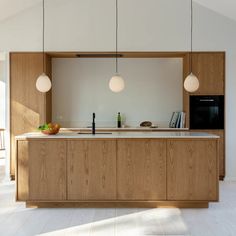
(230, 178)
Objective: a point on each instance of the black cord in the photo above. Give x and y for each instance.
(43, 36)
(191, 55)
(116, 36)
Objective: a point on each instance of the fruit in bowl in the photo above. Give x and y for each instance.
(50, 128)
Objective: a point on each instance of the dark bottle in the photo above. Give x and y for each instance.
(118, 120)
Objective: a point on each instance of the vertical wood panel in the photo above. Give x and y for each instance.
(47, 170)
(192, 169)
(28, 107)
(221, 149)
(141, 169)
(210, 68)
(92, 170)
(22, 171)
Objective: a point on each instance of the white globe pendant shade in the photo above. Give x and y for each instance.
(116, 83)
(191, 83)
(43, 83)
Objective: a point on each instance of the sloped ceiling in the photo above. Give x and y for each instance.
(10, 8)
(224, 7)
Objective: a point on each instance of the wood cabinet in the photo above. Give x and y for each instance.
(209, 67)
(47, 170)
(141, 169)
(92, 170)
(192, 170)
(220, 133)
(28, 107)
(210, 70)
(41, 170)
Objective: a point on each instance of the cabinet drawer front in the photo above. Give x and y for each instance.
(141, 169)
(192, 170)
(91, 170)
(47, 170)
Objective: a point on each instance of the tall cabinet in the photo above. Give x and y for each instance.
(209, 67)
(28, 107)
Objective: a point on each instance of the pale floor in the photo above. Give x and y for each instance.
(218, 220)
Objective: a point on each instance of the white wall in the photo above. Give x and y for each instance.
(3, 80)
(155, 25)
(153, 90)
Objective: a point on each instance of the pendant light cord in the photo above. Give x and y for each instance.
(43, 35)
(116, 36)
(191, 55)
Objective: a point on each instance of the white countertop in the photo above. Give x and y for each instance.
(126, 129)
(117, 135)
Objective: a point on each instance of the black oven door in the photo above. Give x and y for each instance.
(207, 112)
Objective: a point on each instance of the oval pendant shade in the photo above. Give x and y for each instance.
(43, 83)
(116, 83)
(191, 83)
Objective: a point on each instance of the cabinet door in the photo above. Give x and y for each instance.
(92, 170)
(221, 149)
(209, 68)
(192, 170)
(47, 170)
(141, 169)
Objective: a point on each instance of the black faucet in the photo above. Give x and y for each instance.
(93, 124)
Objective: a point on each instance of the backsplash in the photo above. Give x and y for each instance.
(153, 90)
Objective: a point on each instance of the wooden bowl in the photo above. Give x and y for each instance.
(51, 131)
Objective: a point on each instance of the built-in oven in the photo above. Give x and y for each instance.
(207, 112)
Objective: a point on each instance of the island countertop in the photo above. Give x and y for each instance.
(117, 135)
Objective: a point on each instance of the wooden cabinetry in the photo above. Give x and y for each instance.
(192, 170)
(209, 67)
(141, 169)
(146, 172)
(92, 170)
(42, 170)
(28, 107)
(221, 149)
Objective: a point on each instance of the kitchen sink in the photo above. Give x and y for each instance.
(95, 133)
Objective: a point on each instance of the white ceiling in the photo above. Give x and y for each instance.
(9, 8)
(223, 7)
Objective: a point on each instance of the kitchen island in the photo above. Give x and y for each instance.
(119, 169)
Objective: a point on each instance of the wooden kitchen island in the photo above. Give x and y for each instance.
(127, 169)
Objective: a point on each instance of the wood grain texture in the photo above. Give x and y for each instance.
(192, 170)
(210, 70)
(47, 170)
(91, 170)
(28, 107)
(209, 67)
(22, 193)
(220, 133)
(120, 54)
(141, 169)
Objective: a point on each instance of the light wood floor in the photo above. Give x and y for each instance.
(218, 220)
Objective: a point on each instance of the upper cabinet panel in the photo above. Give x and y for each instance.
(209, 68)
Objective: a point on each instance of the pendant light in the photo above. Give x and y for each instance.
(116, 83)
(43, 83)
(191, 83)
